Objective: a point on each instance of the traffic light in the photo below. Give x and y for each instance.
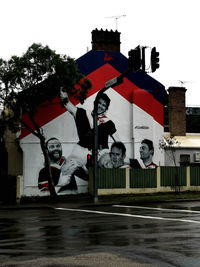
(90, 161)
(154, 59)
(134, 60)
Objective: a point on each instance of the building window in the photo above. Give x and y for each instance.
(184, 160)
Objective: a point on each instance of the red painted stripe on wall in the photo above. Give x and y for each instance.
(48, 111)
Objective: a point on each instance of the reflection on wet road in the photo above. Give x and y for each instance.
(164, 234)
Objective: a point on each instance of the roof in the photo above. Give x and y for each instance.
(188, 141)
(94, 60)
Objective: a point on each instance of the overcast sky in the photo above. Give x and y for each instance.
(65, 26)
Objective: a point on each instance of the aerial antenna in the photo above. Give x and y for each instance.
(183, 82)
(116, 19)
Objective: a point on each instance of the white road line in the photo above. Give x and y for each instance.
(128, 215)
(160, 209)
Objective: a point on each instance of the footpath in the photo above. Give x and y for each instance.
(83, 200)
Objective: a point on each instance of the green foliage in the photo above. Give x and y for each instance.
(36, 76)
(27, 81)
(170, 144)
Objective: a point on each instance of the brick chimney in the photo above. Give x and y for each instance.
(106, 40)
(176, 111)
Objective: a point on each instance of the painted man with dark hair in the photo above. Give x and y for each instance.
(84, 121)
(118, 154)
(84, 124)
(56, 159)
(116, 157)
(146, 154)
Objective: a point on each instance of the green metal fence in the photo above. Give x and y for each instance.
(173, 176)
(147, 178)
(195, 176)
(111, 178)
(143, 178)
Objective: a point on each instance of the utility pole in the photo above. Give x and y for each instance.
(111, 83)
(136, 61)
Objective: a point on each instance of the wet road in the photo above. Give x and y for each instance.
(167, 234)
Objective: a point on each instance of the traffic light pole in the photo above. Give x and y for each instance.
(111, 83)
(95, 155)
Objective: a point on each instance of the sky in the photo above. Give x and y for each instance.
(172, 26)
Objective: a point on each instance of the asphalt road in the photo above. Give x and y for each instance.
(165, 234)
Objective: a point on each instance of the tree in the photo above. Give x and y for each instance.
(170, 144)
(37, 76)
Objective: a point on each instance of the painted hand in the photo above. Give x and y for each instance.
(71, 165)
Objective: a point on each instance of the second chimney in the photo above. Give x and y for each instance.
(176, 111)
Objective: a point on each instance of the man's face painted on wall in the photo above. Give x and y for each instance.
(117, 159)
(55, 150)
(145, 153)
(101, 106)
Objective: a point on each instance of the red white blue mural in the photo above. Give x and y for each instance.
(130, 124)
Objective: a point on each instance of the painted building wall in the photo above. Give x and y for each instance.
(136, 110)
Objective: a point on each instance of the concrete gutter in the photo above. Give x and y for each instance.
(86, 200)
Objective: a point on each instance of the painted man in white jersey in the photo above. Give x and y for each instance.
(146, 154)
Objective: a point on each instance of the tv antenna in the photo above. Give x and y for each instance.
(116, 19)
(183, 82)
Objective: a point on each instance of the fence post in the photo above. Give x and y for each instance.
(158, 178)
(127, 179)
(188, 177)
(18, 195)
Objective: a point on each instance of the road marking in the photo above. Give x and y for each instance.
(151, 208)
(129, 215)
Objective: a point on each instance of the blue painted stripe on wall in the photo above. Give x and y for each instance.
(93, 60)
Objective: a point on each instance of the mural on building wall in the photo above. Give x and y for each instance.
(146, 156)
(115, 158)
(84, 124)
(130, 123)
(63, 169)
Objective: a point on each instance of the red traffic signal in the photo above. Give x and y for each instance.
(154, 59)
(90, 161)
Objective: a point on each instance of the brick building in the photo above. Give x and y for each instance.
(184, 124)
(136, 107)
(135, 111)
